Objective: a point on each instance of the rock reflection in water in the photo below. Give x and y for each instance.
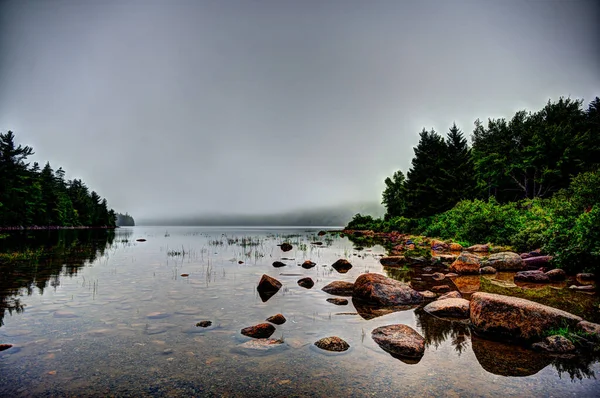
(436, 331)
(507, 359)
(369, 311)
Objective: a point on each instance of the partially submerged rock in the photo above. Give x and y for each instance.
(4, 347)
(478, 248)
(556, 275)
(467, 284)
(516, 318)
(455, 247)
(277, 319)
(555, 344)
(537, 262)
(400, 340)
(278, 264)
(337, 301)
(505, 261)
(260, 331)
(429, 295)
(393, 261)
(342, 266)
(531, 277)
(583, 277)
(466, 263)
(267, 287)
(286, 247)
(591, 330)
(306, 283)
(381, 290)
(450, 307)
(339, 288)
(332, 343)
(488, 270)
(440, 289)
(308, 264)
(450, 295)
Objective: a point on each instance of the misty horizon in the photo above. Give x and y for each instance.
(194, 108)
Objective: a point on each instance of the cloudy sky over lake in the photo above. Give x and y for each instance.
(192, 107)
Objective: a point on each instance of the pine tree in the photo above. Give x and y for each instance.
(426, 180)
(460, 172)
(394, 195)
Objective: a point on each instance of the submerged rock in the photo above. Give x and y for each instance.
(531, 277)
(400, 340)
(555, 344)
(516, 318)
(203, 324)
(467, 283)
(466, 263)
(339, 288)
(381, 290)
(342, 266)
(505, 261)
(306, 283)
(260, 331)
(337, 301)
(556, 275)
(450, 307)
(332, 343)
(277, 319)
(260, 347)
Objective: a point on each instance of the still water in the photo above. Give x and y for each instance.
(108, 315)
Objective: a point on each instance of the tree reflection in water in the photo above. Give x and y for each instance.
(436, 331)
(54, 253)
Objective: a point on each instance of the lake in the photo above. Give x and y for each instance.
(105, 314)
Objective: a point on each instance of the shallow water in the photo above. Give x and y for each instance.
(117, 318)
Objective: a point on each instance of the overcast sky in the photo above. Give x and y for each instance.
(192, 107)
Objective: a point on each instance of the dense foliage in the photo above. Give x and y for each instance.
(530, 182)
(30, 196)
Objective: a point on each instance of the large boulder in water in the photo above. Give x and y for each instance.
(466, 263)
(400, 340)
(516, 318)
(450, 307)
(381, 290)
(505, 261)
(339, 288)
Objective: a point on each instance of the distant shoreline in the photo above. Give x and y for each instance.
(51, 227)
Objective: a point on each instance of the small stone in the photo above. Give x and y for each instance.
(306, 283)
(582, 288)
(532, 277)
(204, 324)
(449, 295)
(438, 276)
(400, 340)
(332, 343)
(342, 266)
(339, 288)
(586, 277)
(440, 289)
(337, 301)
(428, 295)
(308, 264)
(260, 331)
(286, 247)
(450, 307)
(5, 346)
(277, 319)
(278, 264)
(185, 275)
(555, 344)
(140, 240)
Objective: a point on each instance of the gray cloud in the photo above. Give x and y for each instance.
(190, 107)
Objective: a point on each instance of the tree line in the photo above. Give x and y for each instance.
(532, 155)
(34, 196)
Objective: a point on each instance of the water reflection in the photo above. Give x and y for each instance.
(49, 254)
(436, 331)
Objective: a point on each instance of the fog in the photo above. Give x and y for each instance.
(182, 108)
